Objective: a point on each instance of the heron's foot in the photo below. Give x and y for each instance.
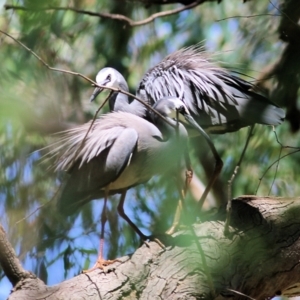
(158, 241)
(162, 239)
(175, 227)
(172, 229)
(146, 238)
(100, 264)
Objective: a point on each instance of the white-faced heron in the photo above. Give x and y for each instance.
(219, 101)
(120, 151)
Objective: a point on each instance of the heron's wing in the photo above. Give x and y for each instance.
(214, 96)
(189, 75)
(85, 142)
(93, 171)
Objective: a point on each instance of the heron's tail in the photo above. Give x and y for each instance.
(263, 112)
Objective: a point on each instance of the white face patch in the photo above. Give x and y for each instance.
(177, 116)
(173, 108)
(178, 104)
(107, 77)
(172, 114)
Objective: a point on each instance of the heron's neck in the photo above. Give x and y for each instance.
(169, 131)
(120, 102)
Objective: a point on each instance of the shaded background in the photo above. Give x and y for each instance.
(257, 39)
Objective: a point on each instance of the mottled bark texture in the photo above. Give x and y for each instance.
(259, 259)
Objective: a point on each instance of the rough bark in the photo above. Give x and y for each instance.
(9, 261)
(259, 259)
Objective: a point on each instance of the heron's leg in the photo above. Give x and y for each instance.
(230, 181)
(103, 221)
(217, 169)
(101, 262)
(176, 220)
(126, 218)
(143, 237)
(182, 193)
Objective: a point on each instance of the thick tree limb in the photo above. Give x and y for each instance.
(259, 260)
(10, 263)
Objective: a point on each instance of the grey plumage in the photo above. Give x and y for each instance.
(120, 151)
(219, 101)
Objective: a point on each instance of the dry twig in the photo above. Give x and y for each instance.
(117, 17)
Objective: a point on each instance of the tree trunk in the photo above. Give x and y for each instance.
(260, 259)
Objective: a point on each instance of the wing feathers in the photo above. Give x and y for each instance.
(211, 92)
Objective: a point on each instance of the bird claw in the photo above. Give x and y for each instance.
(172, 229)
(163, 239)
(100, 264)
(156, 240)
(146, 238)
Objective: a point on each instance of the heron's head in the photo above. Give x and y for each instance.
(171, 107)
(111, 78)
(175, 108)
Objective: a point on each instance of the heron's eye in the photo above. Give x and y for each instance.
(108, 77)
(181, 109)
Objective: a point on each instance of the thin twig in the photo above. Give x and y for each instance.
(117, 17)
(276, 161)
(276, 171)
(230, 182)
(117, 90)
(283, 13)
(247, 17)
(283, 146)
(241, 294)
(279, 156)
(78, 149)
(238, 165)
(40, 206)
(92, 123)
(297, 149)
(94, 84)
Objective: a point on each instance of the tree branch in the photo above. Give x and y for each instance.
(10, 262)
(117, 17)
(259, 261)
